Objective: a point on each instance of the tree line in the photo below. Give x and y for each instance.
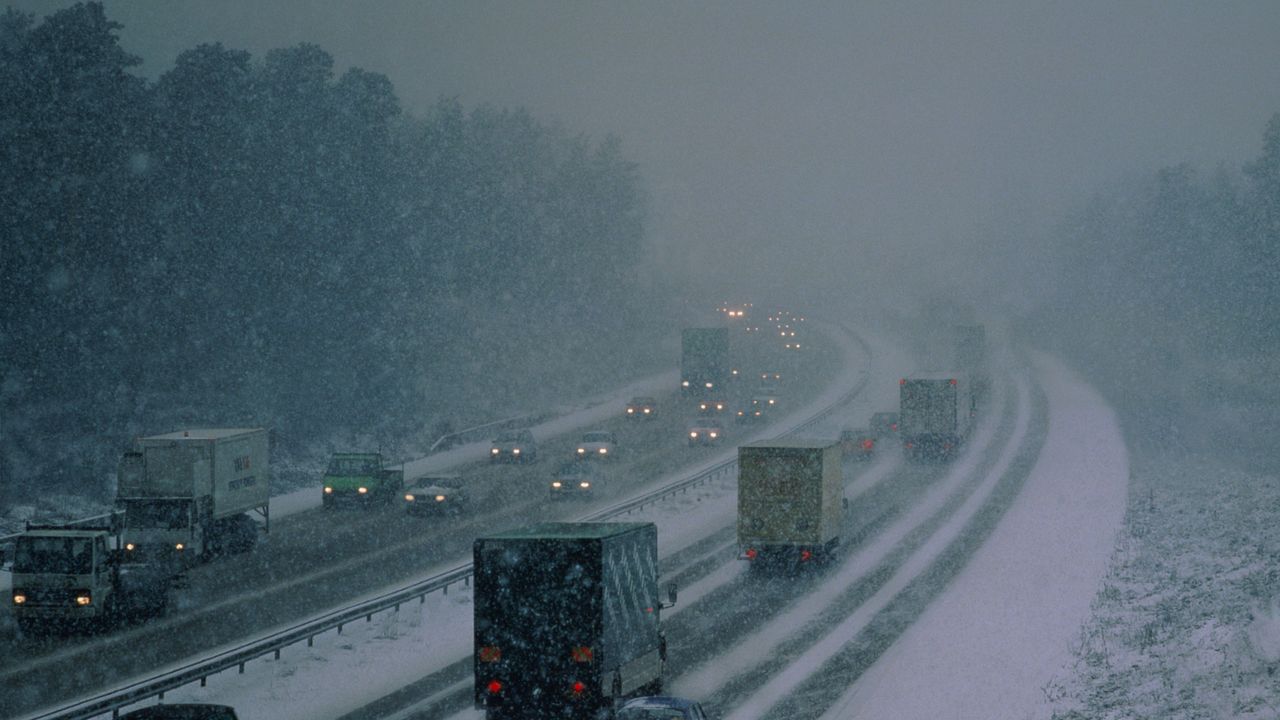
(262, 241)
(1171, 295)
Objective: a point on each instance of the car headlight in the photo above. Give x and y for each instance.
(179, 547)
(684, 383)
(19, 598)
(516, 451)
(328, 490)
(582, 451)
(494, 451)
(362, 490)
(631, 411)
(83, 600)
(646, 411)
(604, 451)
(555, 484)
(714, 435)
(693, 434)
(130, 547)
(409, 498)
(439, 498)
(584, 484)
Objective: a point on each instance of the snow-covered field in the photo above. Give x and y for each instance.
(1187, 621)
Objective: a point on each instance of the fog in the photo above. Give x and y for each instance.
(848, 145)
(409, 225)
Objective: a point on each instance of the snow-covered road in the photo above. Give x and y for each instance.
(983, 647)
(1001, 631)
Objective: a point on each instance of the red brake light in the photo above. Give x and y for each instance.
(752, 553)
(868, 444)
(953, 381)
(582, 654)
(490, 653)
(578, 687)
(806, 555)
(494, 687)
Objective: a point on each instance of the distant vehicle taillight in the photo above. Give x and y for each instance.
(494, 687)
(578, 687)
(806, 555)
(752, 553)
(868, 444)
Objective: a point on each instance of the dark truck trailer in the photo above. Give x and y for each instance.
(704, 360)
(567, 619)
(971, 356)
(936, 414)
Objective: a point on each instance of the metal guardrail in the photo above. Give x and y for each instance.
(113, 701)
(472, 432)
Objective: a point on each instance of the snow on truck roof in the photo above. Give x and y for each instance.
(203, 434)
(568, 531)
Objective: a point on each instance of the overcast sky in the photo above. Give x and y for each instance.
(866, 142)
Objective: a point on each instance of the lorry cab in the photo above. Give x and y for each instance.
(65, 576)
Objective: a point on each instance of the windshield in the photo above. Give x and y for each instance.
(162, 514)
(66, 555)
(597, 437)
(351, 466)
(508, 437)
(443, 482)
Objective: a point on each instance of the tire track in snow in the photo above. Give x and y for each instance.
(732, 671)
(815, 678)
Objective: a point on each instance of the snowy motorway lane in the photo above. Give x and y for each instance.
(1012, 613)
(938, 600)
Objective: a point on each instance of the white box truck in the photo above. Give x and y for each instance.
(790, 497)
(187, 495)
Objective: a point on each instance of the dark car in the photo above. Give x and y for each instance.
(182, 711)
(577, 478)
(642, 407)
(712, 407)
(516, 446)
(884, 424)
(858, 444)
(660, 708)
(444, 493)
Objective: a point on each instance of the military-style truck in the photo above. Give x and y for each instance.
(790, 497)
(704, 360)
(936, 414)
(567, 619)
(66, 576)
(360, 478)
(187, 495)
